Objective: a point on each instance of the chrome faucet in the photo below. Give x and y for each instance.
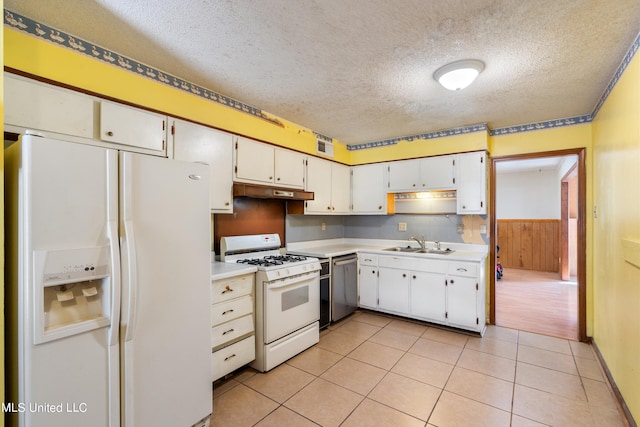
(437, 244)
(420, 241)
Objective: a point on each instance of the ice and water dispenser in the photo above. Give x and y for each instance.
(72, 292)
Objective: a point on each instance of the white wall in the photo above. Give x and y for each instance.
(528, 195)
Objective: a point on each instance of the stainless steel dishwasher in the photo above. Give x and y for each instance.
(344, 286)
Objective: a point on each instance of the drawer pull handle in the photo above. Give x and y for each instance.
(229, 357)
(404, 275)
(228, 332)
(414, 276)
(451, 281)
(462, 269)
(109, 133)
(227, 289)
(227, 312)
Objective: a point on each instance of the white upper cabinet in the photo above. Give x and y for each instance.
(133, 127)
(340, 188)
(330, 183)
(437, 173)
(471, 183)
(318, 181)
(289, 168)
(196, 143)
(368, 189)
(41, 107)
(254, 161)
(261, 163)
(404, 175)
(426, 174)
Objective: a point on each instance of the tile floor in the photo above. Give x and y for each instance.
(376, 370)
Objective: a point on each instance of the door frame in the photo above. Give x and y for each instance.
(581, 232)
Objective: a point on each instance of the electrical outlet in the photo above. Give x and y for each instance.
(324, 226)
(402, 226)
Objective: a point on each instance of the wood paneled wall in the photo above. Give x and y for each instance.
(530, 244)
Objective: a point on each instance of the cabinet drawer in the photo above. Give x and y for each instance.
(229, 331)
(368, 259)
(230, 358)
(229, 310)
(233, 287)
(466, 269)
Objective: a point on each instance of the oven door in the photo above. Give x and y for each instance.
(290, 304)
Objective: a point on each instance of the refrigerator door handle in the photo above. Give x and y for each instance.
(132, 279)
(114, 248)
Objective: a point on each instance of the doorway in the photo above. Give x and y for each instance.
(543, 245)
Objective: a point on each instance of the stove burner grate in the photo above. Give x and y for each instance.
(271, 260)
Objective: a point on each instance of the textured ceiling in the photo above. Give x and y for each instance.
(361, 70)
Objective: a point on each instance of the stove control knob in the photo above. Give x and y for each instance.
(277, 273)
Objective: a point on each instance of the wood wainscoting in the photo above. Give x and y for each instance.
(529, 244)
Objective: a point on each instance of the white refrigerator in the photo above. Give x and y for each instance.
(108, 287)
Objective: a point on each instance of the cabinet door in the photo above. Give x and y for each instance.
(428, 296)
(132, 127)
(471, 179)
(393, 290)
(254, 161)
(404, 175)
(368, 189)
(36, 106)
(462, 295)
(197, 143)
(340, 188)
(437, 173)
(289, 168)
(318, 181)
(368, 296)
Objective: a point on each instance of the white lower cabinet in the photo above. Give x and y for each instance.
(368, 281)
(428, 296)
(393, 291)
(450, 293)
(463, 288)
(232, 324)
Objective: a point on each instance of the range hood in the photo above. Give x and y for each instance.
(241, 189)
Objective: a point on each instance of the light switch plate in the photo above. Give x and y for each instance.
(483, 228)
(402, 226)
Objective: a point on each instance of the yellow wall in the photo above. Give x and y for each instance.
(474, 141)
(616, 195)
(29, 54)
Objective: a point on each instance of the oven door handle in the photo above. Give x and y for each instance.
(283, 283)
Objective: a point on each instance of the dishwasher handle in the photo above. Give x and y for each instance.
(344, 261)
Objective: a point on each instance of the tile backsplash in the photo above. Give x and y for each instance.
(444, 228)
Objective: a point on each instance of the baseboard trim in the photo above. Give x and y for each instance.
(616, 392)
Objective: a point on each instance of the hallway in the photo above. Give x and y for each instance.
(537, 302)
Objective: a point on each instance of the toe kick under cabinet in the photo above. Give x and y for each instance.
(232, 324)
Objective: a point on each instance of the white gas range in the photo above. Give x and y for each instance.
(287, 297)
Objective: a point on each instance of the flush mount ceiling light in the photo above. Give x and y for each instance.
(459, 74)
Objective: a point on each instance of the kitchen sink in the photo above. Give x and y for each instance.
(420, 251)
(435, 251)
(402, 249)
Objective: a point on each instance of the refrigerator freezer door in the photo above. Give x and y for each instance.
(166, 291)
(60, 204)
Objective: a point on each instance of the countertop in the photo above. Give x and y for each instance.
(336, 247)
(224, 270)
